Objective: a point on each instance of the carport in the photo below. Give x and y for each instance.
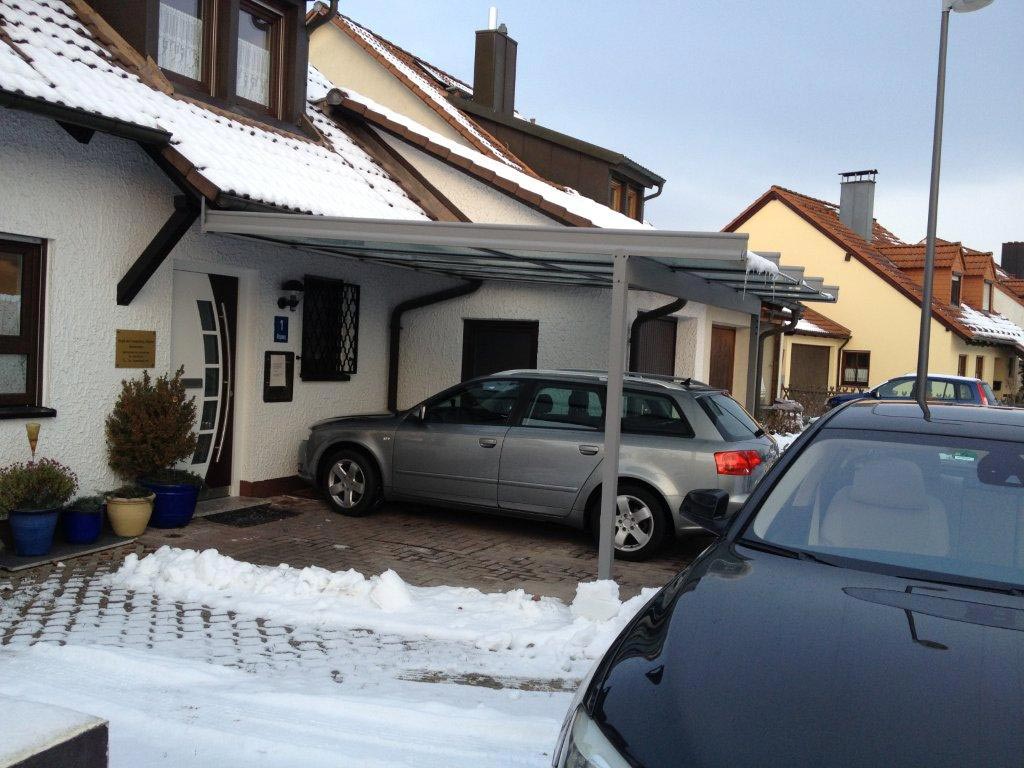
(711, 268)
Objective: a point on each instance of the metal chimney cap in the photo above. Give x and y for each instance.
(859, 175)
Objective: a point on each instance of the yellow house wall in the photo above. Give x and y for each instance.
(881, 319)
(346, 64)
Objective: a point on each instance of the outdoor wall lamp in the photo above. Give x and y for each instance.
(293, 288)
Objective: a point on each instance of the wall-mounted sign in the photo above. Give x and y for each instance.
(278, 376)
(280, 329)
(135, 349)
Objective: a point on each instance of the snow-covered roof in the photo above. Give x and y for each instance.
(993, 327)
(47, 53)
(564, 197)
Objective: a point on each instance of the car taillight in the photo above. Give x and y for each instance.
(737, 462)
(981, 393)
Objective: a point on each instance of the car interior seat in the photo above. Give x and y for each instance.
(886, 507)
(579, 402)
(991, 528)
(542, 407)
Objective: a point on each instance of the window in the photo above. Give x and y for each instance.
(626, 198)
(633, 203)
(954, 291)
(897, 389)
(961, 366)
(330, 329)
(259, 52)
(644, 413)
(986, 297)
(729, 417)
(979, 367)
(21, 319)
(186, 28)
(565, 407)
(618, 190)
(856, 367)
(482, 403)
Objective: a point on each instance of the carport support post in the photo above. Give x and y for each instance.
(613, 415)
(754, 365)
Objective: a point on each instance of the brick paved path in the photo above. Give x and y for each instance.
(430, 547)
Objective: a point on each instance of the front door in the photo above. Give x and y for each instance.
(453, 454)
(204, 328)
(723, 354)
(555, 448)
(490, 346)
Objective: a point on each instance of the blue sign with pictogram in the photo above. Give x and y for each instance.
(281, 329)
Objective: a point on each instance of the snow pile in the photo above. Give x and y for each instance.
(512, 622)
(759, 265)
(784, 440)
(992, 326)
(806, 326)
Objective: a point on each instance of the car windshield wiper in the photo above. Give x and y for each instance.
(796, 554)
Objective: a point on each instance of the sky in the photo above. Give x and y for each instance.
(726, 98)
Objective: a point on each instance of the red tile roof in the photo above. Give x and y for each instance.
(912, 256)
(814, 323)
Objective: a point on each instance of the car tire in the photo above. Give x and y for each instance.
(641, 521)
(350, 482)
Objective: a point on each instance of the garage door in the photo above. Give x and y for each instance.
(808, 369)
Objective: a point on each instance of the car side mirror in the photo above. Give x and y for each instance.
(708, 508)
(419, 414)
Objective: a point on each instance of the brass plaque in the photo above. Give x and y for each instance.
(135, 349)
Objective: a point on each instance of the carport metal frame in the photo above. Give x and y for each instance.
(710, 268)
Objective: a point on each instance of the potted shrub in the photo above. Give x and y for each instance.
(148, 432)
(129, 508)
(31, 495)
(82, 520)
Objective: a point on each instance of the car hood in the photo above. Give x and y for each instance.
(751, 658)
(363, 420)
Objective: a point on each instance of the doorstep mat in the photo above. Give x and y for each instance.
(60, 552)
(247, 518)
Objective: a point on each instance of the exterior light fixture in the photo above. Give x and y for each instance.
(293, 288)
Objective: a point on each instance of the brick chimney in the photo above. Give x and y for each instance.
(494, 68)
(857, 201)
(1013, 258)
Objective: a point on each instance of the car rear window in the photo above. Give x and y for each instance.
(729, 417)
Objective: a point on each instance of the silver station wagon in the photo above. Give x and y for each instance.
(530, 444)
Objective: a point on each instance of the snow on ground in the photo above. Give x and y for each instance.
(197, 659)
(784, 441)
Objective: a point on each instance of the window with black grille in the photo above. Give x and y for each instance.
(330, 329)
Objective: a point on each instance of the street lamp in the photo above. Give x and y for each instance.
(958, 6)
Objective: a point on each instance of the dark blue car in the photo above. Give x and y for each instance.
(945, 389)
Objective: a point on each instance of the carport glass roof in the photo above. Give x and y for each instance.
(698, 266)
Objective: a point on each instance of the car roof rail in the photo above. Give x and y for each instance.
(687, 382)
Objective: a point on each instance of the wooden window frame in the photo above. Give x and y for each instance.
(277, 17)
(842, 368)
(33, 305)
(961, 365)
(956, 289)
(979, 367)
(625, 197)
(987, 296)
(207, 82)
(616, 193)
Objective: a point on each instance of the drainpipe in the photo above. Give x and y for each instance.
(762, 337)
(656, 193)
(643, 317)
(839, 364)
(394, 344)
(322, 16)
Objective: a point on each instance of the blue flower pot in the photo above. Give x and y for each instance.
(81, 527)
(32, 530)
(174, 505)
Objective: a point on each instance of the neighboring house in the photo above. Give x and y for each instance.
(977, 322)
(481, 116)
(121, 122)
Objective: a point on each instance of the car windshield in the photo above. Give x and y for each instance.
(938, 389)
(947, 505)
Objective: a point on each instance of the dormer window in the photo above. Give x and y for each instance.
(954, 291)
(986, 297)
(626, 198)
(185, 27)
(259, 50)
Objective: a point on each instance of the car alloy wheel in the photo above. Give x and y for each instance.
(634, 523)
(346, 483)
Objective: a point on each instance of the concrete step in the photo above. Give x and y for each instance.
(229, 504)
(41, 735)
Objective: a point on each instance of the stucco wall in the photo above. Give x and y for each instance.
(98, 206)
(346, 63)
(882, 320)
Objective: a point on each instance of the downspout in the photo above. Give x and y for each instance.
(395, 340)
(789, 325)
(643, 317)
(839, 363)
(322, 17)
(653, 195)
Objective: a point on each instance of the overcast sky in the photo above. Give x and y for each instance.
(727, 98)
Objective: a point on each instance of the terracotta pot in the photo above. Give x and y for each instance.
(129, 517)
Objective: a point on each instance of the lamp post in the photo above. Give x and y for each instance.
(924, 339)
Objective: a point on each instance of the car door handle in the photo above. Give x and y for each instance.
(488, 442)
(589, 450)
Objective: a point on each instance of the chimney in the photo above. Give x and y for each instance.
(857, 201)
(1013, 258)
(494, 68)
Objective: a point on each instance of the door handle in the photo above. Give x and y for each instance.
(488, 442)
(589, 450)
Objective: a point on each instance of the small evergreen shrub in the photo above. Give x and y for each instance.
(43, 484)
(150, 428)
(130, 491)
(87, 504)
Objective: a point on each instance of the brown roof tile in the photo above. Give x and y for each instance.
(912, 256)
(826, 327)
